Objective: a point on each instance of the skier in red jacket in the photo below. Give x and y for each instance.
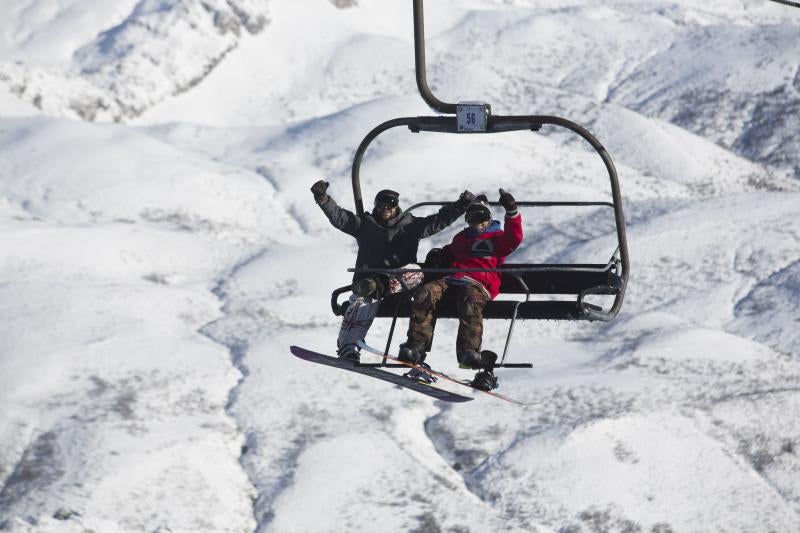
(484, 244)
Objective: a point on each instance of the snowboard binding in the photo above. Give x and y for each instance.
(420, 376)
(485, 379)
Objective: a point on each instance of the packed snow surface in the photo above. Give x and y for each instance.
(160, 251)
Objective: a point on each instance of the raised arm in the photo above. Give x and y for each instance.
(448, 214)
(340, 218)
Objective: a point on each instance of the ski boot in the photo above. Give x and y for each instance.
(483, 361)
(349, 353)
(469, 359)
(420, 376)
(484, 380)
(411, 353)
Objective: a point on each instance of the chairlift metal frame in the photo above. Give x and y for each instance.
(579, 280)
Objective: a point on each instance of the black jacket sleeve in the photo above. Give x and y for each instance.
(433, 224)
(341, 218)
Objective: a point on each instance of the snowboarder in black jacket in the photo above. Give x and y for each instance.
(387, 238)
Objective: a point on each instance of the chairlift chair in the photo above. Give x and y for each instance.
(572, 282)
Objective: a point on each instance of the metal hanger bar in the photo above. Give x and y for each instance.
(543, 268)
(419, 64)
(523, 203)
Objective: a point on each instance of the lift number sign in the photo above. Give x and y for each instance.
(471, 116)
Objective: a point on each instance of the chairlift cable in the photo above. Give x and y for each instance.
(787, 3)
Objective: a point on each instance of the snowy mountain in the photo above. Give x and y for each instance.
(161, 251)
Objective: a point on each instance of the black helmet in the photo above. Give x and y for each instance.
(477, 212)
(387, 197)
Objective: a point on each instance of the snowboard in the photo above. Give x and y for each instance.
(399, 380)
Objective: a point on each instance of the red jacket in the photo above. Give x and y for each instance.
(487, 250)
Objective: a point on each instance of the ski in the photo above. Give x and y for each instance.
(402, 381)
(437, 374)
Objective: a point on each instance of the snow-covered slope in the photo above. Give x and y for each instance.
(114, 404)
(155, 270)
(158, 49)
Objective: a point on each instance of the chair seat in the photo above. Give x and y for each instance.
(496, 309)
(561, 279)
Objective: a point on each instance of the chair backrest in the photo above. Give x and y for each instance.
(557, 279)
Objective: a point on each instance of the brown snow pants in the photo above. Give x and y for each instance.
(470, 302)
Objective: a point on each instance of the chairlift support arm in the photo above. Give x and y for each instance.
(419, 63)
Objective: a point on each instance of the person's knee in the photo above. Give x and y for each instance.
(422, 298)
(471, 305)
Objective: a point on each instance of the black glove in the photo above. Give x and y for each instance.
(365, 286)
(319, 189)
(508, 203)
(376, 286)
(481, 198)
(465, 199)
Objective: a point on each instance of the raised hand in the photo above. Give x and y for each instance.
(319, 190)
(508, 203)
(465, 199)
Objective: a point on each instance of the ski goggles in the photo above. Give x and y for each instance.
(476, 216)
